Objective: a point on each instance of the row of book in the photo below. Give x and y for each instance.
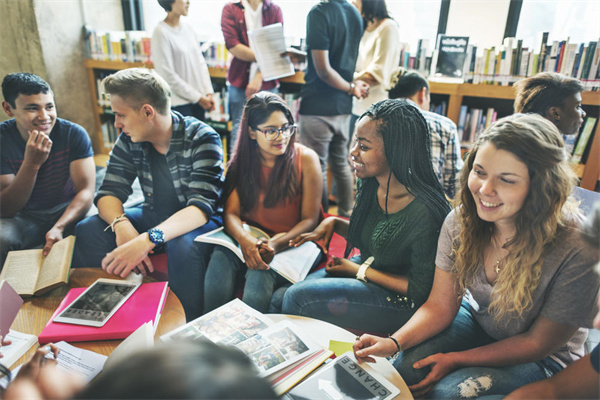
(132, 46)
(510, 62)
(473, 121)
(504, 64)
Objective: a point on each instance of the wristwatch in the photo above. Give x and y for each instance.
(352, 86)
(362, 270)
(156, 236)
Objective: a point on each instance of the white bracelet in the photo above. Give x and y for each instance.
(115, 221)
(362, 271)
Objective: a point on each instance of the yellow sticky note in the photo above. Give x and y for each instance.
(339, 348)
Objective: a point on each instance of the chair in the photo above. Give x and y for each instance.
(587, 197)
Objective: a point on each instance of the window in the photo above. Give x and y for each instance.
(576, 20)
(416, 19)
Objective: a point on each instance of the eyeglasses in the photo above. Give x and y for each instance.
(273, 133)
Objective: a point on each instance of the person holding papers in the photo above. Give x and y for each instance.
(272, 182)
(243, 76)
(400, 207)
(178, 59)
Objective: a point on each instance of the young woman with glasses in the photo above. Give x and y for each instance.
(273, 183)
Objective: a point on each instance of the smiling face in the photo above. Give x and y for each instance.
(499, 183)
(33, 112)
(570, 116)
(367, 153)
(269, 150)
(131, 122)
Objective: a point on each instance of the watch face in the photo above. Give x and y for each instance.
(156, 236)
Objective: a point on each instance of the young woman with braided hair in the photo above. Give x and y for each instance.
(513, 283)
(400, 207)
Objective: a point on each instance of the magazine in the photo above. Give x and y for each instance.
(272, 347)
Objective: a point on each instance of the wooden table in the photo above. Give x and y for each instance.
(36, 311)
(322, 332)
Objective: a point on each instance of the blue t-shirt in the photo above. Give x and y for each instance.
(53, 186)
(335, 26)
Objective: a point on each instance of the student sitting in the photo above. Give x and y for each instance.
(400, 207)
(445, 143)
(513, 282)
(272, 182)
(174, 370)
(580, 380)
(554, 97)
(179, 163)
(47, 172)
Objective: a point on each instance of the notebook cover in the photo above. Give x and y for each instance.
(141, 307)
(10, 303)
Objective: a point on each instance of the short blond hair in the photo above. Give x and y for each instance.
(139, 86)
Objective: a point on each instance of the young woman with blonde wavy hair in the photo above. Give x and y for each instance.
(514, 284)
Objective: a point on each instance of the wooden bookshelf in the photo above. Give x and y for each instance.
(589, 173)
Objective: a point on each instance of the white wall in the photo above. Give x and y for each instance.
(483, 21)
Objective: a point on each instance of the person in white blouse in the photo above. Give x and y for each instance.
(378, 54)
(178, 59)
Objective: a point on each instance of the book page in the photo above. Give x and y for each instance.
(141, 339)
(55, 263)
(21, 270)
(295, 263)
(85, 363)
(21, 342)
(268, 44)
(220, 237)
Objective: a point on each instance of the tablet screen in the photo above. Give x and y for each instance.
(98, 303)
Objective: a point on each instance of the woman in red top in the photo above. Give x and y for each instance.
(273, 183)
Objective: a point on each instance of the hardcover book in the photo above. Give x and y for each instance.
(449, 59)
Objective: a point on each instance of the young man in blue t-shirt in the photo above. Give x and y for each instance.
(47, 173)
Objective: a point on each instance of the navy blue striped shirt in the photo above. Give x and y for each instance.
(195, 160)
(53, 185)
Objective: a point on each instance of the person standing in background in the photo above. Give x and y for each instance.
(178, 59)
(243, 76)
(378, 54)
(333, 32)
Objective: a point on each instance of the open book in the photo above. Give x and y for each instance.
(293, 263)
(32, 274)
(278, 350)
(21, 342)
(268, 44)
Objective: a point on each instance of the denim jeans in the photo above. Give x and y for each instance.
(27, 229)
(225, 269)
(186, 276)
(348, 303)
(237, 101)
(328, 137)
(465, 333)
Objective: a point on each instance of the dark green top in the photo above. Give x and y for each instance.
(403, 243)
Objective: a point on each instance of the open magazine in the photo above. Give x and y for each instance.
(275, 348)
(293, 263)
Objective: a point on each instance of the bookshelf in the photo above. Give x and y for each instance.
(456, 93)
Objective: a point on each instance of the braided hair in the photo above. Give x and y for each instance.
(407, 148)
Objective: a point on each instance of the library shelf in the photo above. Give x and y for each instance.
(456, 92)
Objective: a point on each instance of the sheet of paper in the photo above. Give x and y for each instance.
(141, 339)
(268, 44)
(84, 363)
(339, 348)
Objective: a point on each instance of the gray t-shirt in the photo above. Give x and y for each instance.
(566, 293)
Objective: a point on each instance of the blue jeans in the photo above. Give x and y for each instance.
(348, 303)
(237, 101)
(463, 334)
(186, 277)
(225, 269)
(27, 229)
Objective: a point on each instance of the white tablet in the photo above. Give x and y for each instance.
(97, 303)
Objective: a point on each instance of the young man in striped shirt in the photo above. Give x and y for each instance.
(179, 163)
(47, 171)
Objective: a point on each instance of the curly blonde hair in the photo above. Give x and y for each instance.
(547, 210)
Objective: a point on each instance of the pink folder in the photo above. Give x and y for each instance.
(146, 304)
(10, 303)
